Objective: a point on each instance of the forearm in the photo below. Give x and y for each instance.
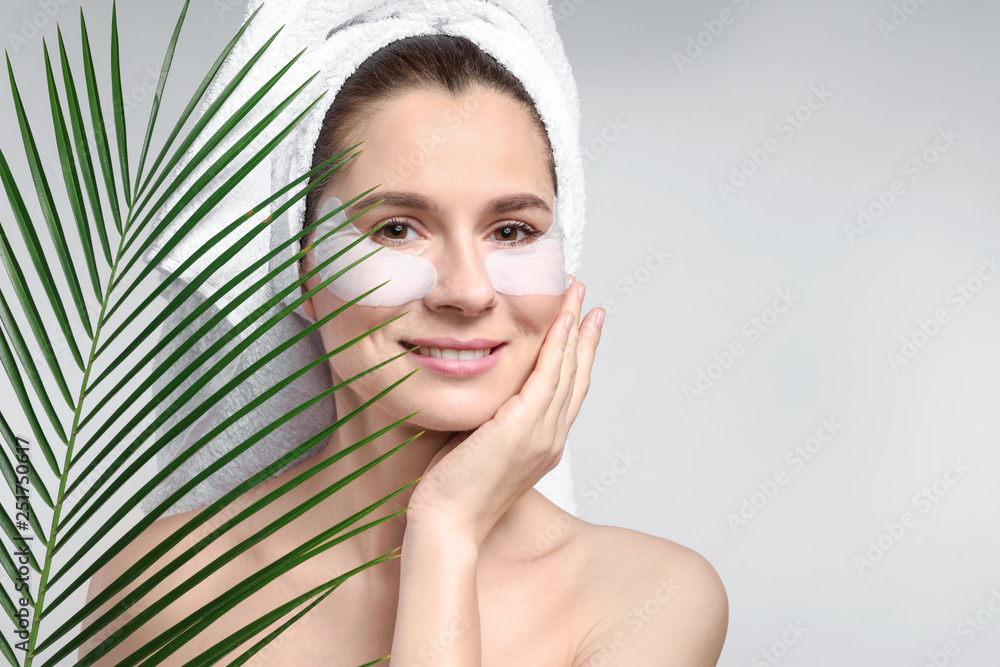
(437, 620)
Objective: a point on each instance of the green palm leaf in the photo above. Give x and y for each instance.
(48, 207)
(83, 154)
(102, 444)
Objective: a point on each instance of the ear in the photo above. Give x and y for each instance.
(307, 306)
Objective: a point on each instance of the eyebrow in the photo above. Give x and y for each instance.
(496, 206)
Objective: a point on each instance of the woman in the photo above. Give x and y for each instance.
(491, 572)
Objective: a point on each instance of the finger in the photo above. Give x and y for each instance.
(441, 453)
(571, 303)
(550, 382)
(569, 367)
(590, 338)
(542, 383)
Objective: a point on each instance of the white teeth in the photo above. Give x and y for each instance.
(439, 353)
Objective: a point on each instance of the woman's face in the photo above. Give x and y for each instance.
(451, 158)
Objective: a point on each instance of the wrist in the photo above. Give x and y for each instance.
(440, 530)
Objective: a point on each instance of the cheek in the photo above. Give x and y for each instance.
(347, 325)
(535, 314)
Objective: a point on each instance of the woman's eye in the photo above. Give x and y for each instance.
(393, 230)
(508, 234)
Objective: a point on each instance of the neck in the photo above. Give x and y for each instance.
(400, 468)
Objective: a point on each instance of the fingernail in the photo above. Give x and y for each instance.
(600, 319)
(569, 323)
(580, 291)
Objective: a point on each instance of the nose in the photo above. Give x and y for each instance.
(463, 285)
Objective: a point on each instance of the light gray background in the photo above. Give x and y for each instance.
(661, 136)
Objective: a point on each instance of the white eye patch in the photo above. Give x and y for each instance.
(536, 267)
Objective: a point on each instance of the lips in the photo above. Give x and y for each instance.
(456, 358)
(454, 343)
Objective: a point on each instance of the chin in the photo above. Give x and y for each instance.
(445, 423)
(451, 415)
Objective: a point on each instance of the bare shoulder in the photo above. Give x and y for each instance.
(652, 601)
(120, 563)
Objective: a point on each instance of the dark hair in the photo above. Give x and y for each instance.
(447, 63)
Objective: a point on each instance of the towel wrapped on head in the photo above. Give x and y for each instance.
(338, 36)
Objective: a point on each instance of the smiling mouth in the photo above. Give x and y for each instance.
(449, 353)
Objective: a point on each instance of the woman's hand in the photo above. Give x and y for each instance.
(478, 475)
(472, 482)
